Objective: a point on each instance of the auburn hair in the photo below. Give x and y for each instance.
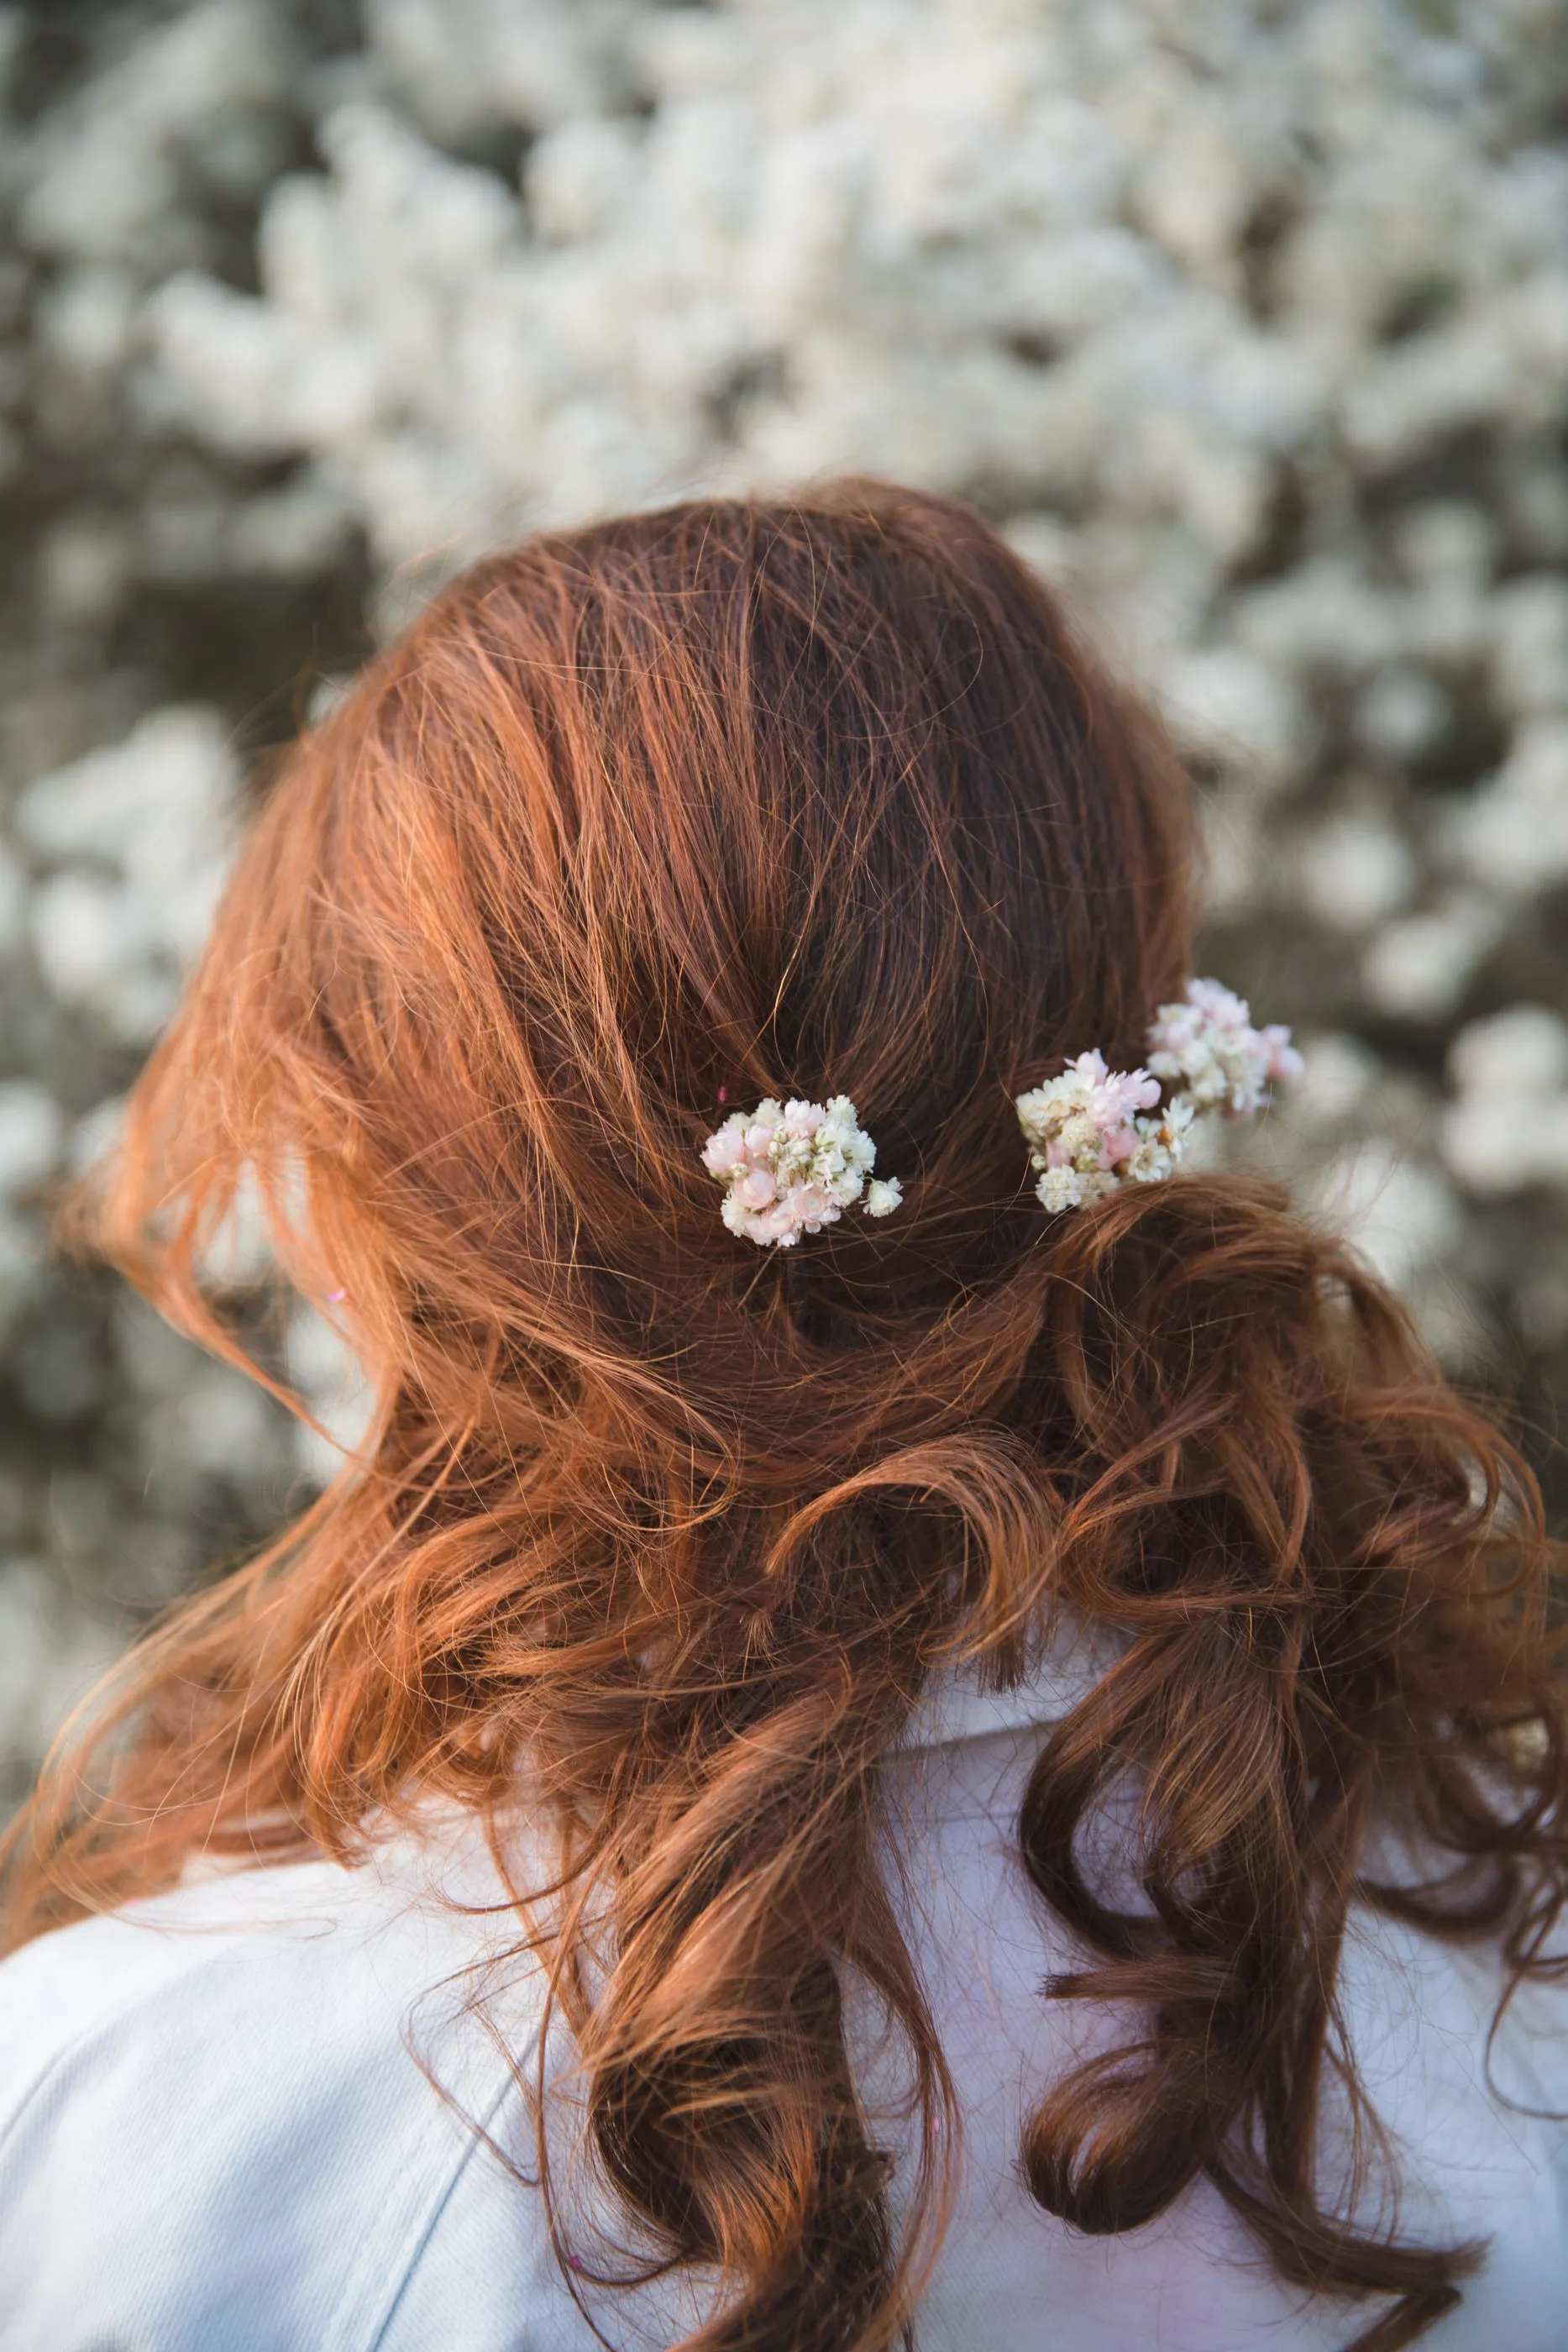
(807, 796)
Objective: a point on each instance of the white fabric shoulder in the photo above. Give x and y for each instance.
(215, 2130)
(218, 2127)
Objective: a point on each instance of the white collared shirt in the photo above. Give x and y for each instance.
(219, 2130)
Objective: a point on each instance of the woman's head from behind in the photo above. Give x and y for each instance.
(647, 823)
(638, 826)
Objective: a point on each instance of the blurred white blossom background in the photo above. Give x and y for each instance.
(1247, 319)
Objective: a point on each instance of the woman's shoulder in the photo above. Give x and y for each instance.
(77, 1979)
(237, 2114)
(185, 1963)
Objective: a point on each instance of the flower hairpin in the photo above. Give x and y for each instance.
(1094, 1130)
(790, 1169)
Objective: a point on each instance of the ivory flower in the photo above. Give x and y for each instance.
(1094, 1128)
(790, 1169)
(1207, 1048)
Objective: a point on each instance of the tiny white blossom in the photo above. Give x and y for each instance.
(1060, 1188)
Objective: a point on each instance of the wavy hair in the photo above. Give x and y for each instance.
(807, 796)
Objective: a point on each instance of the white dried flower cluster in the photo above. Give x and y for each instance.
(1089, 1131)
(1249, 325)
(790, 1169)
(1207, 1048)
(1094, 1128)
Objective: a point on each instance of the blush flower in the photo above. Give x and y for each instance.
(1094, 1128)
(1083, 1125)
(1206, 1047)
(790, 1169)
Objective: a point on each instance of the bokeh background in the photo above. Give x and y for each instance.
(1247, 319)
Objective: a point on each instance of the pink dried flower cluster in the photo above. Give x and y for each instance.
(1088, 1132)
(1094, 1128)
(1207, 1048)
(790, 1169)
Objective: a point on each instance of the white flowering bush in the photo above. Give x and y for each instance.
(1249, 325)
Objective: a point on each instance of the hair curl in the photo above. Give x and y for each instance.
(809, 796)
